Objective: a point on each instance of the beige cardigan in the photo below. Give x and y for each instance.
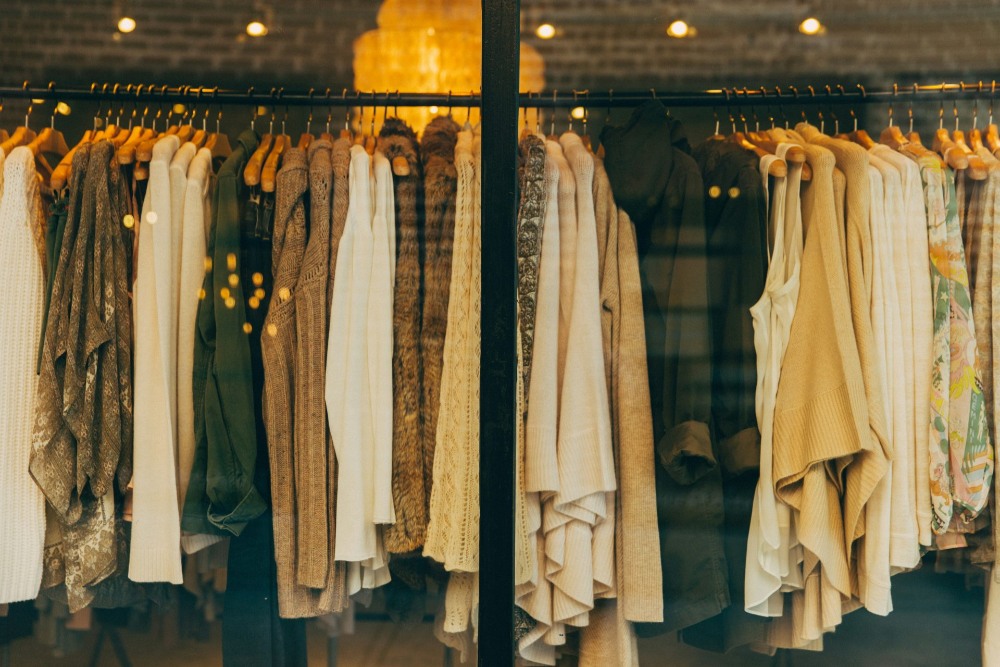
(821, 411)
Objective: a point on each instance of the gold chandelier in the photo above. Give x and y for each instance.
(430, 46)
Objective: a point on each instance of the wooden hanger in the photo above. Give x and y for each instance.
(252, 172)
(218, 142)
(778, 167)
(22, 136)
(949, 151)
(795, 154)
(269, 172)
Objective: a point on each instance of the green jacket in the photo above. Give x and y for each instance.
(659, 185)
(222, 498)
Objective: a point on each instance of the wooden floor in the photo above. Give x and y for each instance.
(936, 624)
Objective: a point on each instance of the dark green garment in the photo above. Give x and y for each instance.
(660, 187)
(735, 219)
(222, 497)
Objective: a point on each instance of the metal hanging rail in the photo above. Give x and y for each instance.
(807, 95)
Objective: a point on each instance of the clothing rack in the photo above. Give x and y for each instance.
(500, 101)
(209, 96)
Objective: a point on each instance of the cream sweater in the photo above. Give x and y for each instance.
(194, 242)
(540, 466)
(821, 412)
(453, 526)
(348, 389)
(155, 550)
(915, 271)
(379, 336)
(904, 548)
(22, 521)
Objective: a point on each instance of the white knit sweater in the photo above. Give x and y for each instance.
(916, 269)
(348, 389)
(155, 547)
(904, 549)
(193, 246)
(22, 519)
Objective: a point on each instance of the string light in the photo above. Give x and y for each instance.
(546, 31)
(811, 26)
(256, 29)
(577, 113)
(126, 24)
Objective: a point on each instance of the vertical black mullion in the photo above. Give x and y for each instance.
(501, 66)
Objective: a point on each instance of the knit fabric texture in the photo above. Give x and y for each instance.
(437, 155)
(409, 494)
(310, 451)
(22, 523)
(279, 354)
(453, 529)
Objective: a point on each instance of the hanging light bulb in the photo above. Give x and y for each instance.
(811, 26)
(256, 29)
(545, 31)
(126, 24)
(679, 29)
(578, 113)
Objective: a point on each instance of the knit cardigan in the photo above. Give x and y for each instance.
(22, 523)
(155, 553)
(279, 355)
(437, 155)
(821, 413)
(452, 531)
(349, 386)
(409, 494)
(309, 436)
(334, 598)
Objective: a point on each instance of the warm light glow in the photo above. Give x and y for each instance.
(546, 31)
(678, 29)
(63, 109)
(179, 108)
(578, 113)
(431, 46)
(256, 29)
(811, 26)
(126, 24)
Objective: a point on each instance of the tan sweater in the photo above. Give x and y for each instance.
(310, 410)
(868, 468)
(821, 410)
(278, 351)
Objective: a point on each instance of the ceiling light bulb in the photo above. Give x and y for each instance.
(256, 29)
(546, 31)
(578, 113)
(433, 110)
(126, 24)
(678, 29)
(811, 26)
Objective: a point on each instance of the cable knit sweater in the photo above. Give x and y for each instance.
(22, 523)
(409, 493)
(453, 529)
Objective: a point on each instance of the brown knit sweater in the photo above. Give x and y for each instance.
(409, 495)
(279, 354)
(313, 536)
(437, 153)
(334, 597)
